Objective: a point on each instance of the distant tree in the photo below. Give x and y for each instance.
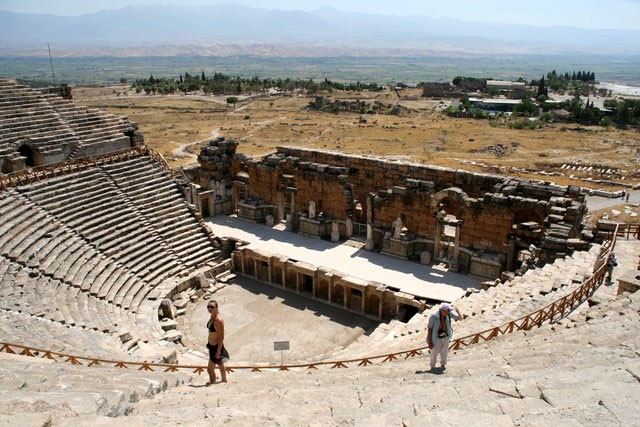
(232, 100)
(151, 79)
(203, 78)
(542, 89)
(181, 81)
(123, 80)
(526, 107)
(456, 80)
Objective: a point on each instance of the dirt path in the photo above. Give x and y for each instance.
(260, 125)
(180, 152)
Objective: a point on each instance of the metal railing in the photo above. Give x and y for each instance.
(628, 230)
(548, 314)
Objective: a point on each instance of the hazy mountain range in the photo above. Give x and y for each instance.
(235, 24)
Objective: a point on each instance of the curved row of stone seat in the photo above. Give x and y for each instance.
(51, 123)
(527, 293)
(39, 391)
(90, 204)
(159, 199)
(95, 291)
(103, 250)
(91, 125)
(35, 238)
(32, 292)
(44, 333)
(37, 294)
(555, 374)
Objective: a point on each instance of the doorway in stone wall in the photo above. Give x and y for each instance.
(448, 230)
(27, 152)
(307, 284)
(406, 312)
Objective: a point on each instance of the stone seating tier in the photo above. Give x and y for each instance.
(52, 124)
(66, 390)
(103, 252)
(126, 245)
(51, 335)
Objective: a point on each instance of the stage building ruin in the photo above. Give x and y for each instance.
(475, 223)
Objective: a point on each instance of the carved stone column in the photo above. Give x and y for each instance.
(370, 244)
(212, 204)
(436, 239)
(453, 259)
(280, 207)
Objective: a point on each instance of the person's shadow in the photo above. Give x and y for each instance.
(434, 371)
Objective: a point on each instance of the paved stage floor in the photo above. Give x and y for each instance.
(257, 314)
(410, 277)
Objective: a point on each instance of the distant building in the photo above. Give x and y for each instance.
(512, 90)
(494, 105)
(503, 85)
(437, 90)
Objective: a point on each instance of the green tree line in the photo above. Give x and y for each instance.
(219, 83)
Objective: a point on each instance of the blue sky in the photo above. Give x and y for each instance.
(614, 14)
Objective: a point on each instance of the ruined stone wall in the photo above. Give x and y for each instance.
(327, 191)
(368, 175)
(411, 208)
(215, 160)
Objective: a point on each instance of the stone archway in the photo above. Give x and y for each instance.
(450, 206)
(276, 278)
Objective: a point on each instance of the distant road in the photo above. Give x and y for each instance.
(595, 203)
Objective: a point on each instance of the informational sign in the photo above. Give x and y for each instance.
(280, 345)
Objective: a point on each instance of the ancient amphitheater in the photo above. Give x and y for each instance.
(107, 255)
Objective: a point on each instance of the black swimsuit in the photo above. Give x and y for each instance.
(213, 349)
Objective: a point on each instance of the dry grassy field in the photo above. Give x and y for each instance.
(178, 125)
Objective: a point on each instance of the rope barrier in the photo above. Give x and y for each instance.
(550, 313)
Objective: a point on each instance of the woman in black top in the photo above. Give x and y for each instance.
(217, 353)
